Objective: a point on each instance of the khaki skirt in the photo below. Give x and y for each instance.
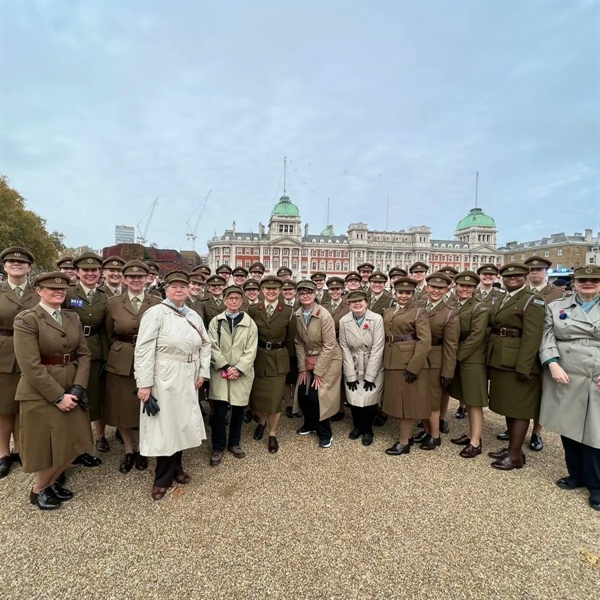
(121, 406)
(405, 400)
(267, 393)
(469, 385)
(50, 437)
(8, 388)
(513, 398)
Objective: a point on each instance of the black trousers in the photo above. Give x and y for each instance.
(219, 429)
(308, 398)
(167, 467)
(583, 464)
(362, 417)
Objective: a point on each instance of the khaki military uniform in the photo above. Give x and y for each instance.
(549, 293)
(470, 377)
(323, 298)
(272, 363)
(515, 337)
(211, 308)
(108, 291)
(197, 306)
(381, 304)
(10, 307)
(408, 341)
(49, 436)
(490, 297)
(92, 317)
(122, 406)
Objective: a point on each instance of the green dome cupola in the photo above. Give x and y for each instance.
(328, 231)
(285, 208)
(476, 218)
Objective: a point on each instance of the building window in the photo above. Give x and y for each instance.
(266, 263)
(265, 252)
(291, 229)
(275, 251)
(546, 253)
(322, 253)
(314, 265)
(338, 266)
(295, 252)
(285, 263)
(238, 251)
(436, 257)
(322, 265)
(286, 252)
(304, 265)
(281, 229)
(512, 258)
(304, 252)
(559, 252)
(276, 263)
(330, 265)
(247, 264)
(225, 250)
(238, 262)
(330, 253)
(226, 261)
(295, 265)
(346, 265)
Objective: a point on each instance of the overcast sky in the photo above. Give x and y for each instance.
(106, 105)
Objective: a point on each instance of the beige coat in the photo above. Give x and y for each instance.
(237, 351)
(362, 351)
(318, 339)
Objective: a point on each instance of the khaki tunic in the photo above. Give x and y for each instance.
(324, 298)
(10, 307)
(491, 297)
(406, 400)
(271, 366)
(211, 308)
(108, 291)
(470, 377)
(441, 361)
(92, 316)
(549, 293)
(122, 406)
(49, 436)
(507, 356)
(197, 306)
(381, 304)
(318, 339)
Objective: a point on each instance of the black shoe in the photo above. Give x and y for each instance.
(419, 439)
(569, 483)
(338, 416)
(289, 412)
(595, 504)
(463, 440)
(273, 444)
(354, 434)
(102, 445)
(367, 439)
(87, 460)
(379, 419)
(305, 431)
(420, 425)
(5, 464)
(141, 462)
(45, 500)
(444, 427)
(431, 443)
(326, 442)
(62, 478)
(298, 414)
(16, 457)
(461, 413)
(127, 462)
(63, 494)
(397, 449)
(248, 416)
(259, 432)
(536, 443)
(503, 436)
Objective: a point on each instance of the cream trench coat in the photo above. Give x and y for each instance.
(572, 410)
(170, 355)
(362, 351)
(319, 339)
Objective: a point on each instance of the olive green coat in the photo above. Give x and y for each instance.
(550, 293)
(383, 302)
(491, 297)
(211, 308)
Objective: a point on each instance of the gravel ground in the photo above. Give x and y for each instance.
(348, 522)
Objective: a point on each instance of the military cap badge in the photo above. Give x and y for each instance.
(467, 278)
(90, 260)
(510, 269)
(438, 280)
(135, 268)
(17, 254)
(589, 270)
(57, 280)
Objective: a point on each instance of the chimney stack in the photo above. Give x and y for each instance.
(306, 230)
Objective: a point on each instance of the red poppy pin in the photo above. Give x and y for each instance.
(366, 326)
(279, 307)
(261, 307)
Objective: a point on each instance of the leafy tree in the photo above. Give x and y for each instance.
(22, 227)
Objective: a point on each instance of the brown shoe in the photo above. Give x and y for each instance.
(508, 464)
(237, 451)
(183, 478)
(499, 454)
(102, 444)
(216, 458)
(273, 444)
(431, 443)
(158, 493)
(463, 440)
(470, 451)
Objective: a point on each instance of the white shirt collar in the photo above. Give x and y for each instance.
(49, 309)
(140, 297)
(86, 289)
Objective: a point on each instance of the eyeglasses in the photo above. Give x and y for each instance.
(305, 293)
(595, 281)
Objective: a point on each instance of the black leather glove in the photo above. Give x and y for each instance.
(369, 386)
(102, 371)
(446, 382)
(151, 407)
(79, 392)
(352, 385)
(409, 377)
(523, 377)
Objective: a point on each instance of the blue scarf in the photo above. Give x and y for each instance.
(182, 310)
(231, 315)
(307, 314)
(361, 320)
(587, 306)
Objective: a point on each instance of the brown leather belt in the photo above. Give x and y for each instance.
(271, 345)
(128, 339)
(8, 332)
(90, 330)
(65, 359)
(507, 332)
(437, 341)
(406, 337)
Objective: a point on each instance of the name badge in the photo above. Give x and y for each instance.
(76, 303)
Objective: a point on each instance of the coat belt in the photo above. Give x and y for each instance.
(506, 332)
(185, 358)
(437, 341)
(271, 345)
(90, 330)
(405, 337)
(65, 359)
(7, 332)
(128, 339)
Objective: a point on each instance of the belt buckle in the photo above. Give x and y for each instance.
(268, 345)
(66, 359)
(502, 332)
(87, 330)
(190, 358)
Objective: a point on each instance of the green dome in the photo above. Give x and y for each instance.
(476, 218)
(285, 208)
(328, 231)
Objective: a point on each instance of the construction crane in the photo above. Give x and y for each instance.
(193, 229)
(142, 235)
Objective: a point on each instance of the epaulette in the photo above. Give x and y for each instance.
(25, 312)
(68, 312)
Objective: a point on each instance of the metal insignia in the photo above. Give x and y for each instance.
(58, 280)
(17, 254)
(135, 268)
(114, 263)
(535, 262)
(90, 260)
(437, 280)
(467, 278)
(510, 269)
(589, 270)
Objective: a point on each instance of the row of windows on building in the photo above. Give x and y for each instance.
(546, 253)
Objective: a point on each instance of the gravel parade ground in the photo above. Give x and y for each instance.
(343, 523)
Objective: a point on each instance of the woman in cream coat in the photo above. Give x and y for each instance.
(362, 340)
(172, 360)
